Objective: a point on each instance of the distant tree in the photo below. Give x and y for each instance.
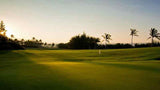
(154, 34)
(40, 41)
(37, 41)
(12, 36)
(16, 40)
(3, 39)
(107, 38)
(45, 43)
(32, 44)
(2, 29)
(22, 41)
(83, 42)
(5, 42)
(53, 44)
(62, 45)
(8, 44)
(133, 33)
(33, 38)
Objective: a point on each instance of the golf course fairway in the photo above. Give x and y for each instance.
(113, 69)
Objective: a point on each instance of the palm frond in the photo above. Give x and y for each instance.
(133, 32)
(149, 38)
(158, 37)
(106, 37)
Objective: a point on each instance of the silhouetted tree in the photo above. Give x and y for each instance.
(133, 33)
(40, 41)
(83, 42)
(3, 39)
(8, 44)
(34, 43)
(154, 34)
(45, 43)
(62, 45)
(2, 29)
(114, 46)
(12, 36)
(33, 38)
(37, 41)
(53, 44)
(107, 38)
(16, 40)
(22, 41)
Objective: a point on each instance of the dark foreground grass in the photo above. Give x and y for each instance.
(121, 69)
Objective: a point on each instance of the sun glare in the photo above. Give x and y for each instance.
(9, 31)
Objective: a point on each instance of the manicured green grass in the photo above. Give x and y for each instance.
(116, 69)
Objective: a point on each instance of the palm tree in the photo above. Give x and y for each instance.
(133, 33)
(12, 36)
(16, 40)
(45, 43)
(37, 41)
(2, 29)
(154, 34)
(40, 41)
(106, 37)
(33, 38)
(22, 41)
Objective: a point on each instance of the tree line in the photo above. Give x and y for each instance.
(32, 43)
(88, 42)
(7, 43)
(81, 41)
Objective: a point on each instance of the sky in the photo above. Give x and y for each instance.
(59, 20)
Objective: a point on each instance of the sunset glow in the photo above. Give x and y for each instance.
(58, 20)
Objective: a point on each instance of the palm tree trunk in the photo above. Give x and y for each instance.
(152, 42)
(132, 40)
(105, 45)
